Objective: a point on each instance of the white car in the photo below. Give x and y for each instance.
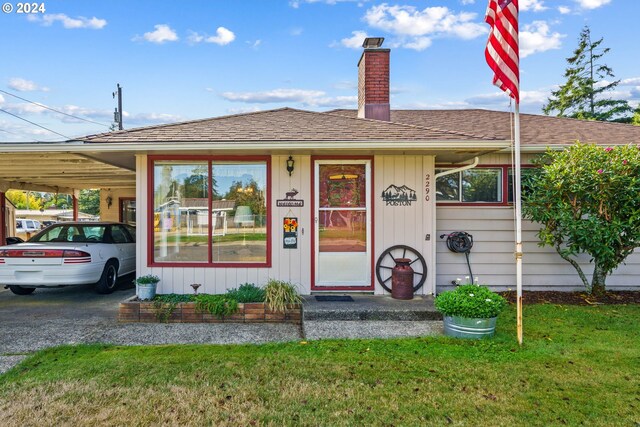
(70, 253)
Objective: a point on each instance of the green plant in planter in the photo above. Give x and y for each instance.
(279, 294)
(149, 279)
(470, 301)
(247, 293)
(218, 305)
(164, 305)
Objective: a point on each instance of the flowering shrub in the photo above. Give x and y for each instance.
(586, 198)
(470, 301)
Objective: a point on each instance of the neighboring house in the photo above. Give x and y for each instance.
(56, 215)
(316, 198)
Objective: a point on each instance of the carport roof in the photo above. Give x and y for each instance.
(59, 172)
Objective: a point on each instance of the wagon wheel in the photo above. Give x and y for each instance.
(387, 261)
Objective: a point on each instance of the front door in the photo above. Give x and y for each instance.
(342, 199)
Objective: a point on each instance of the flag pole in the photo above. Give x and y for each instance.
(518, 213)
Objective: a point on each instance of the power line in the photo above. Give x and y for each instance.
(35, 124)
(53, 109)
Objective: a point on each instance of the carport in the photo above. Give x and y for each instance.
(67, 168)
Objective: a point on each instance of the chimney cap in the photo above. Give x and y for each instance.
(372, 42)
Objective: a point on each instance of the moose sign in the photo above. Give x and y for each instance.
(289, 200)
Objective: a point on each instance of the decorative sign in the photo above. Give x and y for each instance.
(399, 196)
(289, 201)
(290, 238)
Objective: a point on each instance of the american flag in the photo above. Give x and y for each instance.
(502, 47)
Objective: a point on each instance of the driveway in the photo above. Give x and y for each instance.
(75, 315)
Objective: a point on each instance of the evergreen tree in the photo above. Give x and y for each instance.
(583, 95)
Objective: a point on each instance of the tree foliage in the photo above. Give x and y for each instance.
(587, 199)
(89, 202)
(19, 199)
(583, 95)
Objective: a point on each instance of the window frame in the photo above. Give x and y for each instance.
(504, 190)
(151, 262)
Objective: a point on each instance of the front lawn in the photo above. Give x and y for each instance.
(579, 366)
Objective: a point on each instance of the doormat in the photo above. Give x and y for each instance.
(332, 298)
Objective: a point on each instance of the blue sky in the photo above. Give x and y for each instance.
(181, 60)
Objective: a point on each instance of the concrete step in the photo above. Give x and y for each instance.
(370, 308)
(334, 329)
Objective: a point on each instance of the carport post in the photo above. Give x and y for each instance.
(3, 219)
(74, 198)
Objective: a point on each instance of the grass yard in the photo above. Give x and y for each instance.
(579, 366)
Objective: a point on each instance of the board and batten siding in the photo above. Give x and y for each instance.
(492, 256)
(286, 264)
(405, 225)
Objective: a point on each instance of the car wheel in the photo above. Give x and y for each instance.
(109, 279)
(19, 290)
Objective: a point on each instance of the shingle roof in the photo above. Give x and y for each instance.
(534, 129)
(285, 124)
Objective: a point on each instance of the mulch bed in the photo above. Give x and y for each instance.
(574, 298)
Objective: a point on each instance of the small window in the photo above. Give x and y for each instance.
(478, 185)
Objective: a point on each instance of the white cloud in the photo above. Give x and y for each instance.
(223, 37)
(633, 81)
(24, 85)
(68, 22)
(296, 3)
(533, 5)
(254, 44)
(1, 99)
(409, 21)
(536, 37)
(296, 31)
(564, 10)
(592, 4)
(353, 42)
(162, 34)
(313, 98)
(417, 43)
(466, 2)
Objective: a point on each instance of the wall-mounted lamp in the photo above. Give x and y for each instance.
(109, 200)
(290, 163)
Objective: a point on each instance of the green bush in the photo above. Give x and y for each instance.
(279, 294)
(218, 305)
(247, 293)
(471, 301)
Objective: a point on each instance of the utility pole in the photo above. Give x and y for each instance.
(117, 115)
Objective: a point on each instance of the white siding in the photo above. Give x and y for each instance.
(492, 256)
(405, 225)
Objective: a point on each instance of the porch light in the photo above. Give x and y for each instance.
(109, 201)
(372, 42)
(290, 163)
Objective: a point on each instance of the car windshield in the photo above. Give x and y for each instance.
(71, 233)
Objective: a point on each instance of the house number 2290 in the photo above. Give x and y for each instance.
(427, 186)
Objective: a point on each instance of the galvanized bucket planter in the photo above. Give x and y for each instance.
(146, 291)
(472, 328)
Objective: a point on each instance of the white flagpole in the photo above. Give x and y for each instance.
(518, 202)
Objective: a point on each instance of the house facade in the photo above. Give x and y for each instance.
(328, 200)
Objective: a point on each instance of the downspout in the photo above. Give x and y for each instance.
(476, 160)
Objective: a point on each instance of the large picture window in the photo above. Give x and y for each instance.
(210, 211)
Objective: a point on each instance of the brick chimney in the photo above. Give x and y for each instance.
(373, 81)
